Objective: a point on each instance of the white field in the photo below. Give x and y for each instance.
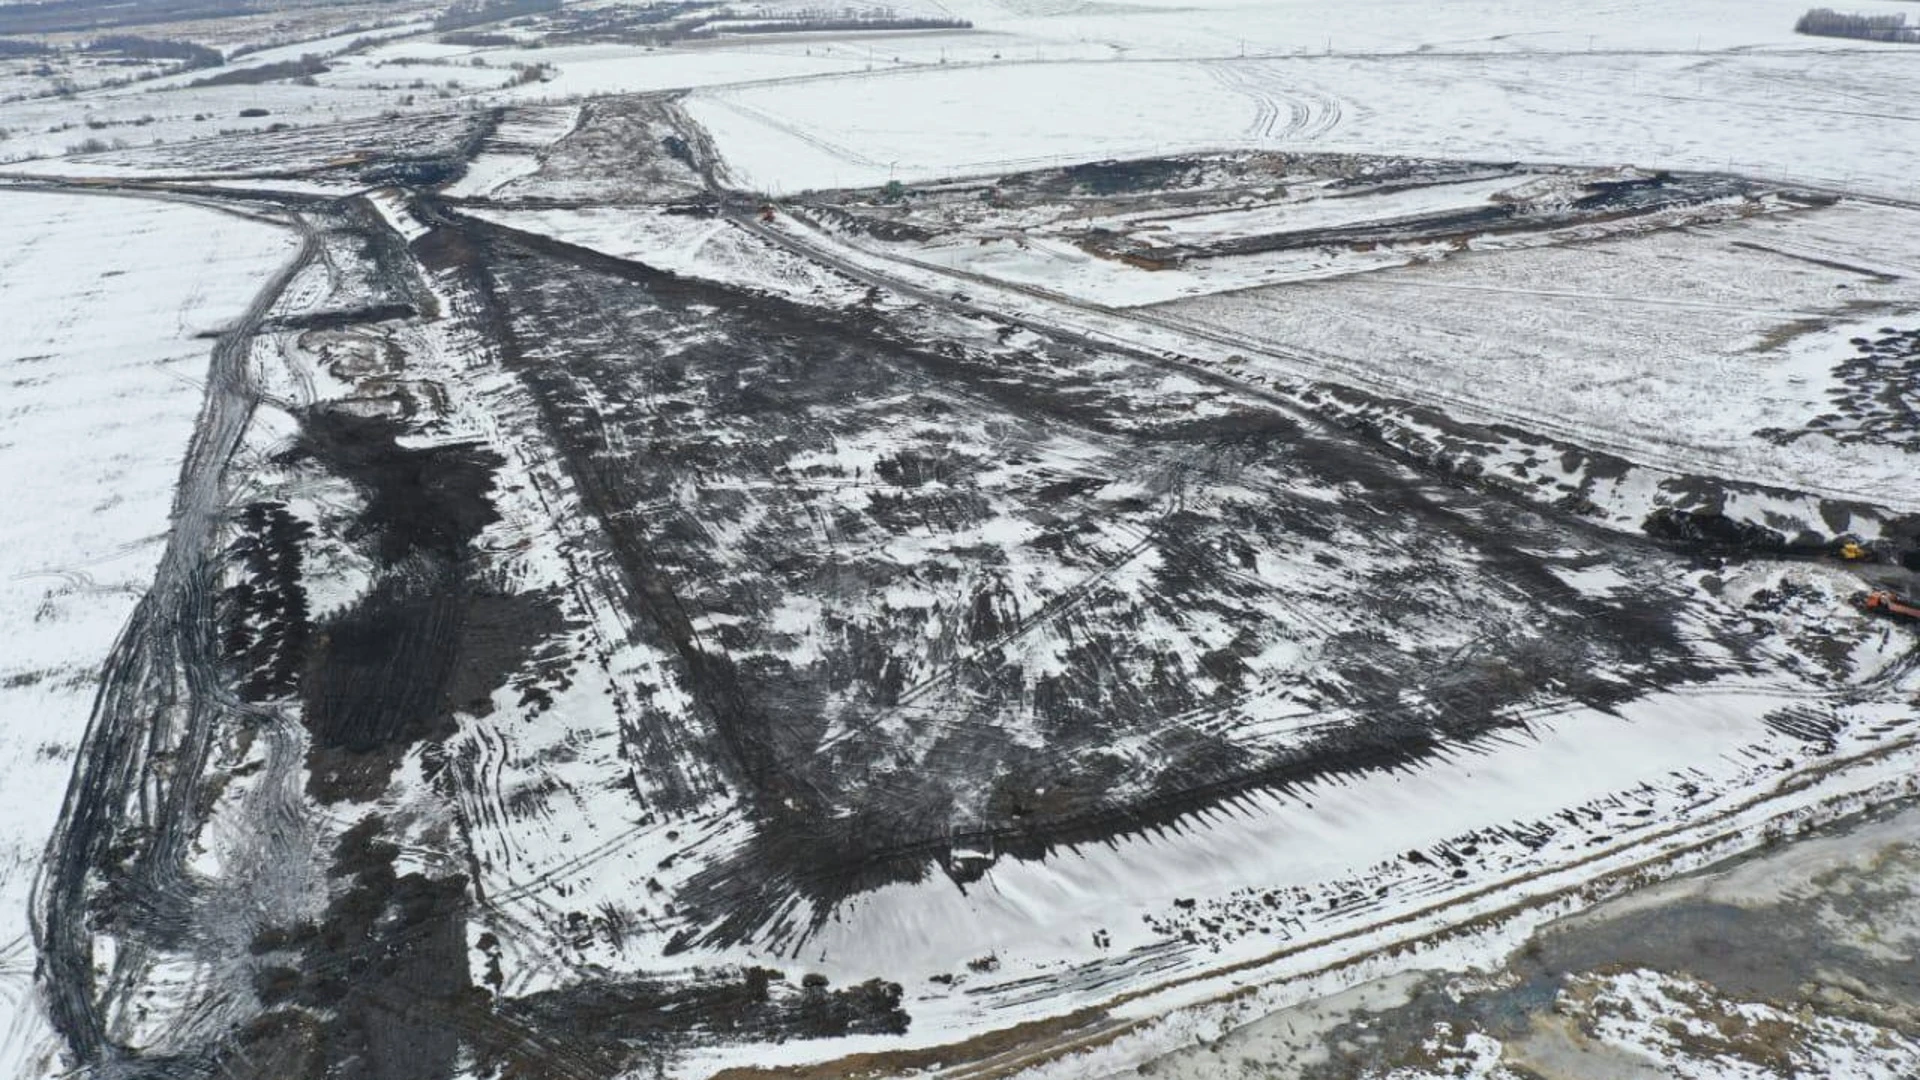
(171, 110)
(1705, 84)
(1713, 83)
(1218, 27)
(197, 113)
(103, 369)
(610, 69)
(1672, 348)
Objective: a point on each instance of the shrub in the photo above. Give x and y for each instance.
(308, 64)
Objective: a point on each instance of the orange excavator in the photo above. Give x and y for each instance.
(1883, 602)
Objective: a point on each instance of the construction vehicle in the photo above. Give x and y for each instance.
(1884, 602)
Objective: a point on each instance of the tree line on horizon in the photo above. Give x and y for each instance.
(1826, 22)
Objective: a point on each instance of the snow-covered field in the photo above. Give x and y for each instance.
(1811, 114)
(1215, 27)
(617, 69)
(1052, 598)
(1676, 349)
(108, 303)
(1710, 84)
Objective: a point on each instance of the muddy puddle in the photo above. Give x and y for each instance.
(1796, 961)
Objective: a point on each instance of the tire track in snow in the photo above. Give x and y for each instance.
(1327, 117)
(1311, 114)
(826, 146)
(1266, 112)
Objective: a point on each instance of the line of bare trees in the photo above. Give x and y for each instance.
(464, 13)
(1826, 22)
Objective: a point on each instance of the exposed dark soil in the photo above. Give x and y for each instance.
(694, 383)
(379, 988)
(719, 443)
(429, 638)
(369, 990)
(610, 1020)
(263, 618)
(334, 320)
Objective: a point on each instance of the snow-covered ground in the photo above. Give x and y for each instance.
(696, 246)
(108, 305)
(1712, 83)
(513, 150)
(1658, 89)
(624, 69)
(1674, 348)
(135, 121)
(1219, 27)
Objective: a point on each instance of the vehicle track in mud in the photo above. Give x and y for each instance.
(1395, 493)
(161, 695)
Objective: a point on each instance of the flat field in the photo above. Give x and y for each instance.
(1681, 348)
